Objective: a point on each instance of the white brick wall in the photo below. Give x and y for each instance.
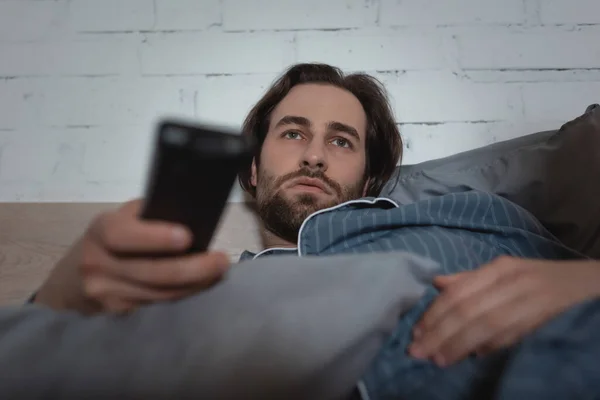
(243, 15)
(82, 82)
(81, 56)
(571, 12)
(179, 15)
(372, 49)
(111, 15)
(32, 20)
(549, 48)
(451, 12)
(215, 53)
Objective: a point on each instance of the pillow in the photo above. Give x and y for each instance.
(276, 328)
(555, 175)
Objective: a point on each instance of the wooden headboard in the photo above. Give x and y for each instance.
(33, 236)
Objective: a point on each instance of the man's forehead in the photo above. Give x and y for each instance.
(321, 104)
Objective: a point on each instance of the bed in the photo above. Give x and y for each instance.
(554, 175)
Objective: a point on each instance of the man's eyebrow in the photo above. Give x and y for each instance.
(340, 127)
(293, 120)
(331, 126)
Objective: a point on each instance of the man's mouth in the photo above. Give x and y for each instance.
(310, 185)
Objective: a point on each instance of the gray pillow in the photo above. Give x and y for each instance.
(276, 328)
(554, 174)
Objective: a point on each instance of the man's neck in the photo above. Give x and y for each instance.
(270, 240)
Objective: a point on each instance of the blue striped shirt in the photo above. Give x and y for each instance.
(459, 230)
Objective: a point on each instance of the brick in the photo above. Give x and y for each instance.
(22, 20)
(424, 142)
(128, 147)
(17, 105)
(372, 50)
(559, 100)
(82, 56)
(187, 14)
(111, 15)
(227, 99)
(50, 191)
(61, 150)
(240, 15)
(70, 164)
(443, 97)
(29, 158)
(450, 12)
(514, 76)
(570, 12)
(216, 53)
(57, 160)
(102, 101)
(548, 49)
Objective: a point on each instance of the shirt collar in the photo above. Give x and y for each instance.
(385, 202)
(246, 255)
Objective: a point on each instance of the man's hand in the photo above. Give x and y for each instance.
(115, 267)
(495, 306)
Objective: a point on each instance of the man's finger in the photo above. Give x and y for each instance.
(445, 280)
(194, 270)
(120, 306)
(474, 281)
(530, 314)
(464, 315)
(124, 235)
(106, 290)
(450, 297)
(131, 207)
(490, 317)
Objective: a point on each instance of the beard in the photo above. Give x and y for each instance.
(283, 215)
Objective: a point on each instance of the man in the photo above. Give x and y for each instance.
(318, 133)
(329, 143)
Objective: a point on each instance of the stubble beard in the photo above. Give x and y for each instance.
(283, 215)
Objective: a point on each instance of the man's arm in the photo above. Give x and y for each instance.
(111, 267)
(497, 305)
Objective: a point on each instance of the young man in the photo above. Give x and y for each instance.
(329, 143)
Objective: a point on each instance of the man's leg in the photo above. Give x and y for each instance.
(559, 361)
(559, 358)
(396, 375)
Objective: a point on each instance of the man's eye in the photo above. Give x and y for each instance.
(292, 135)
(341, 142)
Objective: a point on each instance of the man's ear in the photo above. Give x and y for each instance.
(366, 187)
(253, 179)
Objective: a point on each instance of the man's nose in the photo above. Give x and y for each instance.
(314, 158)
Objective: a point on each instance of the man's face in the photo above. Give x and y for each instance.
(313, 157)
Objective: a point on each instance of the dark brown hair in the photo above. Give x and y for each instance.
(383, 141)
